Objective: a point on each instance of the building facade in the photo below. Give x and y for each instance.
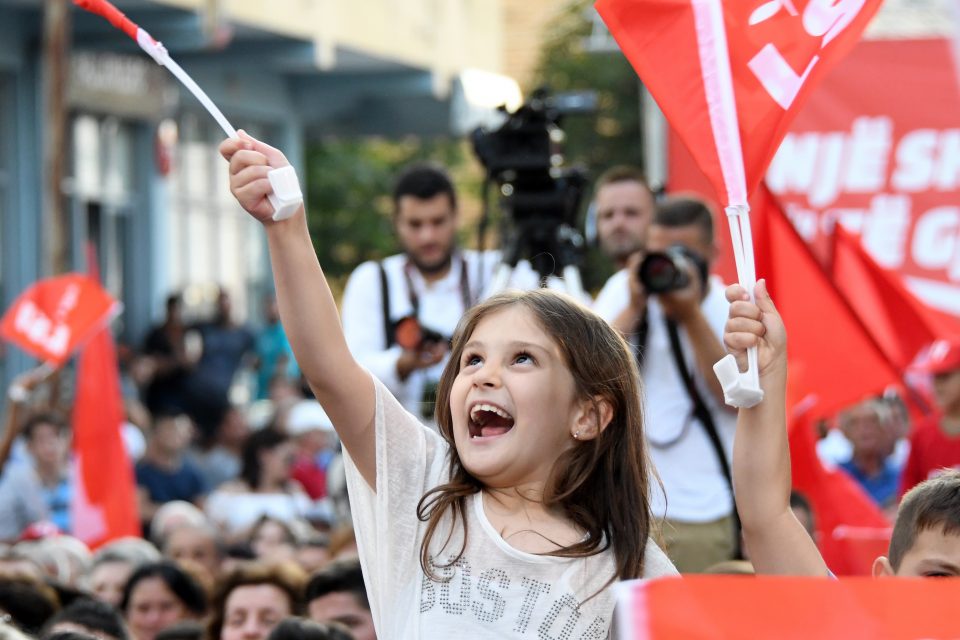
(144, 184)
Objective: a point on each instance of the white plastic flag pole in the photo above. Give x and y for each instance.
(741, 389)
(286, 197)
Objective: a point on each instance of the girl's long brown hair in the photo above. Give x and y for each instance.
(600, 485)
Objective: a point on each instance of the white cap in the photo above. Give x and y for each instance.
(307, 415)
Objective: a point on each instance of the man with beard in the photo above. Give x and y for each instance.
(625, 208)
(432, 282)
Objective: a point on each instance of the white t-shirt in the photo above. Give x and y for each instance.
(696, 490)
(494, 590)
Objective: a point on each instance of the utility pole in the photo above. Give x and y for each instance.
(56, 46)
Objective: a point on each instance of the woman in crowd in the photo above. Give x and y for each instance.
(253, 600)
(159, 595)
(265, 486)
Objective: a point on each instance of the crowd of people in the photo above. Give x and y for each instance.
(434, 453)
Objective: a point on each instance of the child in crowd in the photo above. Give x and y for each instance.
(926, 535)
(531, 501)
(935, 442)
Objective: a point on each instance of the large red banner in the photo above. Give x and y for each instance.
(721, 608)
(877, 148)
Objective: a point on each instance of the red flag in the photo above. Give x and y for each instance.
(837, 501)
(730, 76)
(52, 318)
(892, 314)
(787, 608)
(105, 502)
(834, 362)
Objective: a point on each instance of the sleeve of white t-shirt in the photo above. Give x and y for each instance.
(363, 325)
(613, 297)
(411, 459)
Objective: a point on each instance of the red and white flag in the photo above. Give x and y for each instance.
(53, 317)
(729, 76)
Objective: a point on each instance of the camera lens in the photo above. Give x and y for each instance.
(661, 272)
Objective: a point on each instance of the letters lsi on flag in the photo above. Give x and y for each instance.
(754, 62)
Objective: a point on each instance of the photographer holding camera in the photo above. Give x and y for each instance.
(664, 302)
(399, 313)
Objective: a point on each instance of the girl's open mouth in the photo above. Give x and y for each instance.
(487, 420)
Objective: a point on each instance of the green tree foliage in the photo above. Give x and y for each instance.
(348, 191)
(611, 135)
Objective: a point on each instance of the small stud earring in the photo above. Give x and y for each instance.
(576, 435)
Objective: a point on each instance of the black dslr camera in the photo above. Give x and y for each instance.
(413, 336)
(669, 270)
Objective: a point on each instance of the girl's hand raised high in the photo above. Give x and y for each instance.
(756, 325)
(250, 162)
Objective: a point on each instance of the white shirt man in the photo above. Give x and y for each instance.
(432, 280)
(697, 504)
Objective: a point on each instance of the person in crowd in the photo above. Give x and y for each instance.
(432, 282)
(926, 534)
(316, 441)
(540, 445)
(186, 630)
(676, 334)
(274, 355)
(172, 515)
(198, 544)
(171, 361)
(299, 629)
(337, 594)
(165, 474)
(114, 563)
(41, 489)
(253, 600)
(870, 428)
(27, 602)
(87, 615)
(109, 575)
(265, 486)
(158, 595)
(313, 553)
(65, 559)
(935, 443)
(624, 210)
(219, 460)
(273, 540)
(225, 343)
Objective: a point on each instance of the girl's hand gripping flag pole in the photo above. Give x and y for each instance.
(286, 197)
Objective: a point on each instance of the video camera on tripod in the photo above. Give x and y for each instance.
(538, 195)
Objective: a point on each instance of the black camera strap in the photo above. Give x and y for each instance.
(389, 328)
(702, 413)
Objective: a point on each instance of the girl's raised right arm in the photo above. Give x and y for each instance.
(307, 308)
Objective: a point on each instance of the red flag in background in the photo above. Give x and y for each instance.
(837, 500)
(689, 53)
(834, 362)
(105, 502)
(894, 317)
